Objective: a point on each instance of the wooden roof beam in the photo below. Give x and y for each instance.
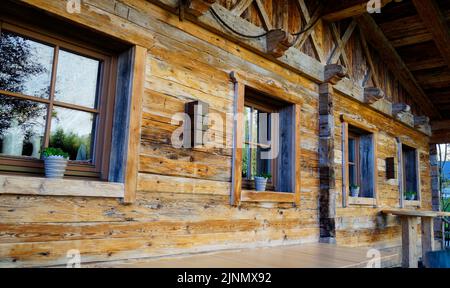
(342, 9)
(436, 23)
(395, 63)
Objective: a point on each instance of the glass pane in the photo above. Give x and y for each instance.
(352, 174)
(254, 132)
(76, 79)
(247, 113)
(351, 150)
(245, 161)
(73, 132)
(22, 126)
(25, 65)
(410, 173)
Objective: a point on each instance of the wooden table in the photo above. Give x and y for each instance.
(409, 234)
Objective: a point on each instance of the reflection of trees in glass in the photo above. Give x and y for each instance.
(16, 65)
(71, 143)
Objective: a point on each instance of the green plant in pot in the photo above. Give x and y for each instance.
(354, 190)
(55, 162)
(410, 195)
(261, 181)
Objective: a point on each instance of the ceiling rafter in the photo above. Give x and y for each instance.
(434, 20)
(395, 63)
(339, 10)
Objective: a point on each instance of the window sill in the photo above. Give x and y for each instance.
(23, 185)
(411, 203)
(277, 197)
(362, 201)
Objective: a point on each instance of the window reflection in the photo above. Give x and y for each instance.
(25, 65)
(72, 131)
(22, 125)
(76, 80)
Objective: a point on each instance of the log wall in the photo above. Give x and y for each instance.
(182, 203)
(361, 225)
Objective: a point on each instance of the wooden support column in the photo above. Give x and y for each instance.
(327, 196)
(435, 193)
(427, 237)
(409, 242)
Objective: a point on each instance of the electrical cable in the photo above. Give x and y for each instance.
(221, 21)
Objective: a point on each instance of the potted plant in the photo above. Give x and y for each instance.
(410, 195)
(55, 162)
(261, 181)
(354, 190)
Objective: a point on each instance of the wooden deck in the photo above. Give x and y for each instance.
(315, 255)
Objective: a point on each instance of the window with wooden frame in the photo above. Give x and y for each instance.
(359, 168)
(409, 178)
(81, 93)
(258, 125)
(53, 94)
(266, 141)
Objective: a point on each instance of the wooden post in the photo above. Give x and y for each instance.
(327, 196)
(409, 242)
(427, 237)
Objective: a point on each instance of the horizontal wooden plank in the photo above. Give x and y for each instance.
(253, 196)
(362, 201)
(23, 185)
(417, 213)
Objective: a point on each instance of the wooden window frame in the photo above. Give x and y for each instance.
(121, 164)
(346, 199)
(401, 175)
(239, 195)
(103, 110)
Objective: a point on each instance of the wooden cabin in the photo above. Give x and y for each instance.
(361, 90)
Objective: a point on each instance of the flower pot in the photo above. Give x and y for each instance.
(55, 166)
(354, 192)
(410, 197)
(260, 183)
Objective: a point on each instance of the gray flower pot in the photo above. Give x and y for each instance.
(260, 183)
(354, 192)
(55, 166)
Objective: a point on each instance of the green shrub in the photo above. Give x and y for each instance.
(50, 151)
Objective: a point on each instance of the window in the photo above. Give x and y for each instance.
(410, 173)
(359, 168)
(53, 93)
(361, 161)
(256, 158)
(267, 141)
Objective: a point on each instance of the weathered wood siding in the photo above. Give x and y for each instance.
(360, 225)
(182, 203)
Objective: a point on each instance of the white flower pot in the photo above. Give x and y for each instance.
(354, 192)
(410, 197)
(55, 166)
(260, 183)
